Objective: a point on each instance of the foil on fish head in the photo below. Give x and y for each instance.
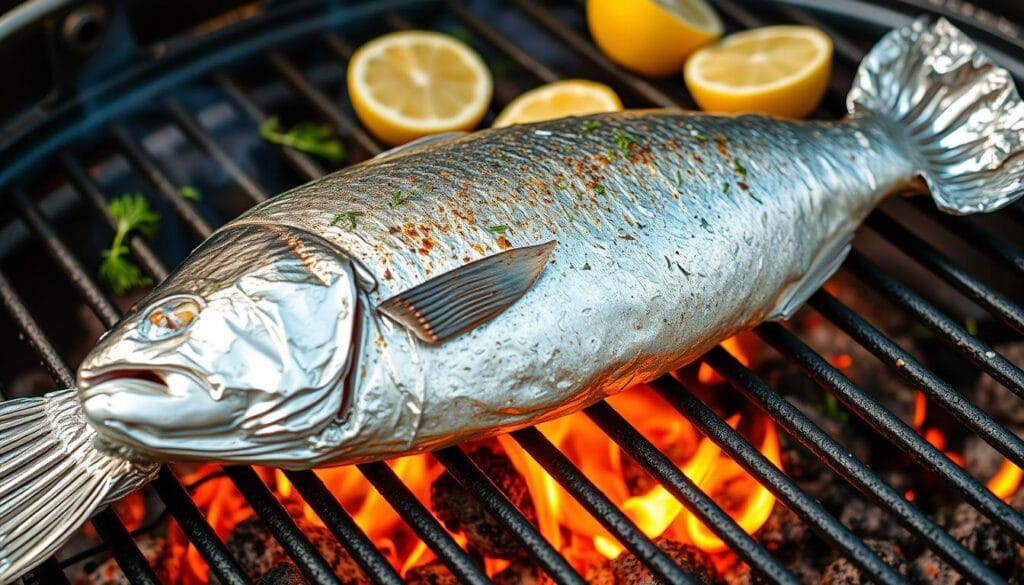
(240, 355)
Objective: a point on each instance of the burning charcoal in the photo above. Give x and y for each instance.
(982, 460)
(981, 538)
(843, 571)
(258, 552)
(152, 547)
(630, 571)
(601, 573)
(521, 572)
(869, 521)
(995, 399)
(783, 533)
(432, 573)
(283, 574)
(460, 511)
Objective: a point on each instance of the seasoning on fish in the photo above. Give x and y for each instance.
(342, 323)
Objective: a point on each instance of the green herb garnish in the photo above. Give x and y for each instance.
(565, 211)
(832, 409)
(589, 126)
(971, 326)
(701, 137)
(623, 141)
(307, 137)
(599, 189)
(130, 213)
(739, 168)
(497, 229)
(586, 266)
(704, 224)
(725, 187)
(399, 198)
(189, 192)
(561, 186)
(349, 216)
(679, 178)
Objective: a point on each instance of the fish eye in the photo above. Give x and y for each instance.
(170, 316)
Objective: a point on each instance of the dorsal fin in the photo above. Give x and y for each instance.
(456, 301)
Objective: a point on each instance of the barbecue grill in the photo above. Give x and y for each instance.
(152, 95)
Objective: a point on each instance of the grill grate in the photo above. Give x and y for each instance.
(314, 98)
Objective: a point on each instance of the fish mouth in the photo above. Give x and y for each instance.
(138, 379)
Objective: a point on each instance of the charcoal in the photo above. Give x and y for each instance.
(283, 574)
(601, 573)
(521, 572)
(995, 399)
(740, 574)
(629, 570)
(461, 512)
(843, 571)
(981, 538)
(153, 548)
(432, 573)
(982, 460)
(258, 552)
(869, 521)
(783, 533)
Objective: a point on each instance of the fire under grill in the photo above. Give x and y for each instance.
(185, 109)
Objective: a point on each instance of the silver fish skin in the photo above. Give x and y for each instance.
(655, 234)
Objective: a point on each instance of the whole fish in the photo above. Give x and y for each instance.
(466, 286)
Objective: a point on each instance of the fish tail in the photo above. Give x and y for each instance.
(52, 478)
(961, 114)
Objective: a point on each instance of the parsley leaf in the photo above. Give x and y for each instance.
(739, 168)
(189, 192)
(307, 137)
(589, 126)
(623, 141)
(130, 213)
(497, 229)
(349, 216)
(399, 198)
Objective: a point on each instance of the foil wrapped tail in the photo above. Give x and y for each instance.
(52, 478)
(961, 115)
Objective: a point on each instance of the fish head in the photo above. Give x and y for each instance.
(241, 355)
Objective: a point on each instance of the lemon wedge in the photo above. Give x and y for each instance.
(779, 70)
(409, 84)
(652, 37)
(570, 97)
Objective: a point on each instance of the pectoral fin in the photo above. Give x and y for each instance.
(822, 268)
(457, 301)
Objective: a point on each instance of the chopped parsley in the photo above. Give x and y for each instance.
(599, 189)
(586, 266)
(130, 213)
(307, 137)
(589, 126)
(704, 224)
(189, 192)
(739, 168)
(679, 178)
(350, 217)
(497, 229)
(623, 141)
(725, 187)
(565, 211)
(701, 137)
(399, 198)
(561, 186)
(971, 326)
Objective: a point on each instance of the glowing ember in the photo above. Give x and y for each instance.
(738, 346)
(561, 520)
(1006, 481)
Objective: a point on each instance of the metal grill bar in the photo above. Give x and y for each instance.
(980, 354)
(91, 193)
(152, 173)
(891, 427)
(599, 506)
(540, 550)
(60, 253)
(900, 361)
(689, 495)
(40, 343)
(973, 288)
(506, 46)
(773, 479)
(993, 246)
(391, 488)
(847, 466)
(343, 527)
(294, 542)
(194, 130)
(129, 557)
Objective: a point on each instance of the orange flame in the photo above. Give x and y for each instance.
(733, 345)
(1005, 482)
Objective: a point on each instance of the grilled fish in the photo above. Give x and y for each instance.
(470, 285)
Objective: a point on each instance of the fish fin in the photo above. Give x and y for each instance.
(456, 301)
(52, 478)
(822, 268)
(424, 141)
(961, 115)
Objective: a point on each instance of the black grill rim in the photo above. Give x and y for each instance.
(14, 178)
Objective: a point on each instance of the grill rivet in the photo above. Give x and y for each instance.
(84, 27)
